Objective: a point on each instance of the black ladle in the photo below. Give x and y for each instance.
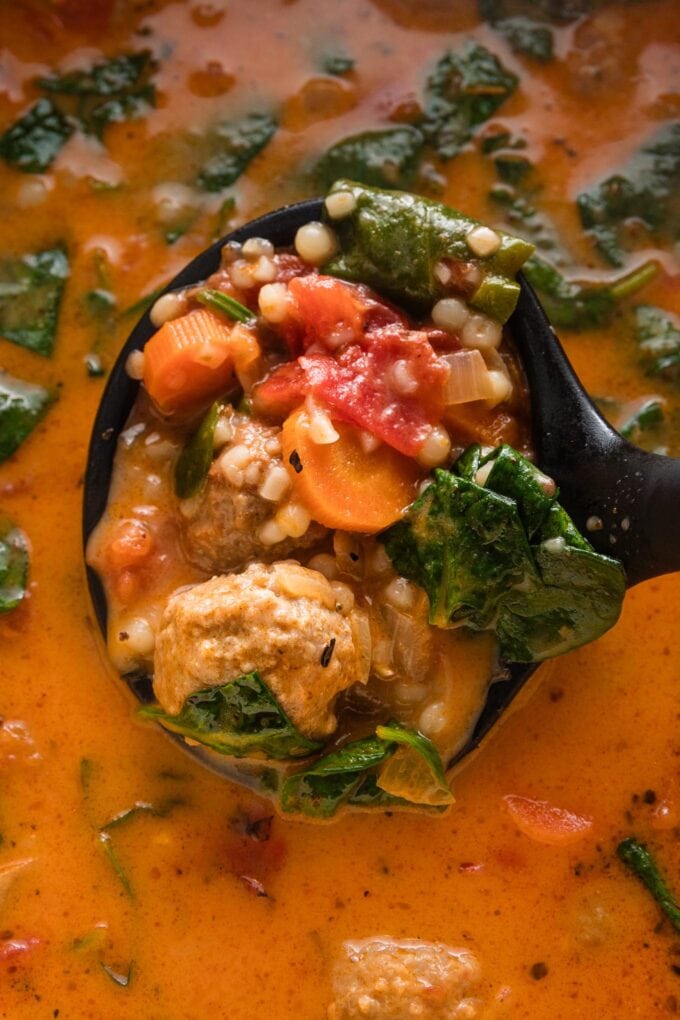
(625, 500)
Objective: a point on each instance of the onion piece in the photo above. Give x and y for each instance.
(411, 650)
(469, 378)
(300, 582)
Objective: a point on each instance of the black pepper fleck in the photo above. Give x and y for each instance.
(327, 653)
(295, 462)
(538, 970)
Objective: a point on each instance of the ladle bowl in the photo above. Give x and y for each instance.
(625, 500)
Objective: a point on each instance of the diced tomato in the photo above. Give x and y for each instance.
(9, 948)
(545, 823)
(281, 392)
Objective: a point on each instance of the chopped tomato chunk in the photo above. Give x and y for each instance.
(12, 947)
(545, 823)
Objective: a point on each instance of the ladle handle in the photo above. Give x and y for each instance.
(626, 501)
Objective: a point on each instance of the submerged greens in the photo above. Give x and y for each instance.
(232, 145)
(392, 241)
(194, 461)
(13, 565)
(31, 289)
(527, 24)
(639, 860)
(657, 333)
(505, 556)
(241, 718)
(383, 159)
(22, 405)
(33, 141)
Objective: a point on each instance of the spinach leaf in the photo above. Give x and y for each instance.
(31, 289)
(233, 145)
(319, 790)
(22, 405)
(574, 305)
(195, 459)
(505, 556)
(463, 91)
(638, 859)
(649, 415)
(112, 90)
(392, 241)
(657, 334)
(415, 772)
(646, 191)
(384, 159)
(242, 718)
(13, 565)
(527, 24)
(33, 141)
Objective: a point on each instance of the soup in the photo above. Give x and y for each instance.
(127, 868)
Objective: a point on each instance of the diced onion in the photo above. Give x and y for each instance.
(469, 378)
(300, 582)
(361, 632)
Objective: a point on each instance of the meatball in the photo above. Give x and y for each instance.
(403, 980)
(301, 632)
(223, 525)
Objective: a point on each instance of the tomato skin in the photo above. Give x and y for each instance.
(12, 947)
(545, 823)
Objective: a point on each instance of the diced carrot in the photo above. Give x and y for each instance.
(190, 361)
(545, 823)
(340, 484)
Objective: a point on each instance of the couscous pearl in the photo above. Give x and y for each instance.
(264, 270)
(344, 597)
(436, 448)
(293, 519)
(172, 201)
(223, 434)
(401, 378)
(321, 430)
(410, 692)
(31, 192)
(481, 333)
(433, 719)
(276, 483)
(315, 243)
(450, 314)
(368, 442)
(273, 302)
(241, 273)
(239, 455)
(482, 475)
(167, 307)
(442, 273)
(325, 564)
(483, 241)
(254, 247)
(230, 252)
(400, 594)
(340, 204)
(141, 639)
(271, 532)
(252, 474)
(134, 365)
(501, 388)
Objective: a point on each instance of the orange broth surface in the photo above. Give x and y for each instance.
(214, 923)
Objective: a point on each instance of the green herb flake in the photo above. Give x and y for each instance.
(657, 334)
(14, 561)
(223, 303)
(32, 142)
(22, 405)
(387, 158)
(194, 461)
(648, 415)
(241, 719)
(31, 290)
(233, 145)
(106, 843)
(640, 861)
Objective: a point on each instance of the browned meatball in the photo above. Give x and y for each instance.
(232, 523)
(403, 980)
(301, 632)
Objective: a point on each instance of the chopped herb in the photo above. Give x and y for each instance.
(219, 302)
(242, 718)
(387, 158)
(327, 653)
(32, 142)
(527, 24)
(638, 859)
(295, 462)
(506, 557)
(233, 145)
(657, 334)
(337, 64)
(100, 303)
(393, 242)
(109, 849)
(646, 191)
(462, 92)
(224, 215)
(31, 289)
(649, 415)
(22, 405)
(194, 461)
(13, 565)
(145, 302)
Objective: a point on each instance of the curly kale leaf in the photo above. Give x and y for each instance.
(646, 191)
(505, 556)
(31, 290)
(383, 159)
(242, 718)
(527, 24)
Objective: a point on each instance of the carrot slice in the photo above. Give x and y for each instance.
(189, 361)
(340, 484)
(545, 823)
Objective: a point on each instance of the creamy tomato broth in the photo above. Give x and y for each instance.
(127, 870)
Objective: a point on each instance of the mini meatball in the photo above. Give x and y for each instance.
(223, 525)
(403, 980)
(301, 632)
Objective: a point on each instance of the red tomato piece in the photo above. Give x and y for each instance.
(281, 392)
(545, 823)
(10, 948)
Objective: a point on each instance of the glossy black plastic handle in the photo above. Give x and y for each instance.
(625, 500)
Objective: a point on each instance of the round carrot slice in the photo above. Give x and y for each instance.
(545, 823)
(340, 484)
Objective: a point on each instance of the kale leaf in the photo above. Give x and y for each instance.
(383, 159)
(242, 718)
(33, 141)
(22, 405)
(31, 289)
(638, 859)
(505, 556)
(13, 565)
(646, 192)
(233, 145)
(527, 24)
(463, 91)
(657, 333)
(392, 241)
(195, 459)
